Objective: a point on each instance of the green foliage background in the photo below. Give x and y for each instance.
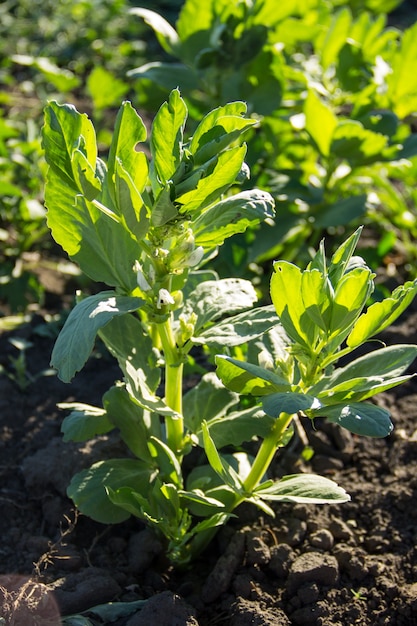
(331, 81)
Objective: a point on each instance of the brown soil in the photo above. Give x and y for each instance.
(315, 565)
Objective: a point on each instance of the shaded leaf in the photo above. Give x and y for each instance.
(361, 418)
(88, 488)
(287, 402)
(239, 329)
(84, 422)
(212, 299)
(76, 340)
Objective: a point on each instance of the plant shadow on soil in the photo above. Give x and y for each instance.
(354, 563)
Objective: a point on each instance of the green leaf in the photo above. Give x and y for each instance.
(384, 363)
(167, 75)
(335, 36)
(342, 212)
(219, 465)
(88, 488)
(70, 145)
(317, 295)
(76, 340)
(218, 129)
(215, 298)
(194, 26)
(382, 314)
(204, 477)
(206, 401)
(163, 210)
(320, 122)
(361, 418)
(247, 378)
(61, 78)
(126, 340)
(351, 294)
(111, 611)
(90, 237)
(341, 257)
(239, 329)
(199, 497)
(123, 413)
(304, 489)
(402, 81)
(84, 422)
(356, 144)
(128, 170)
(232, 215)
(129, 200)
(165, 33)
(127, 499)
(358, 389)
(238, 427)
(287, 298)
(104, 88)
(166, 139)
(224, 173)
(165, 459)
(287, 402)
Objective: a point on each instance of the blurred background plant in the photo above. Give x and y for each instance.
(332, 82)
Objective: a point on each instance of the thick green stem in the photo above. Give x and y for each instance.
(173, 386)
(259, 468)
(266, 452)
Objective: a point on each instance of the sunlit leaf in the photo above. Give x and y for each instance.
(381, 314)
(248, 378)
(303, 488)
(232, 215)
(167, 137)
(320, 122)
(165, 33)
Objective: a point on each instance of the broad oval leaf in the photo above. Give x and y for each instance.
(212, 299)
(304, 488)
(126, 415)
(239, 329)
(76, 340)
(248, 378)
(288, 402)
(167, 139)
(287, 298)
(385, 363)
(238, 427)
(88, 488)
(208, 400)
(84, 421)
(361, 418)
(227, 166)
(381, 314)
(232, 215)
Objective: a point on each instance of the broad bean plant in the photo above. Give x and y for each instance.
(147, 223)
